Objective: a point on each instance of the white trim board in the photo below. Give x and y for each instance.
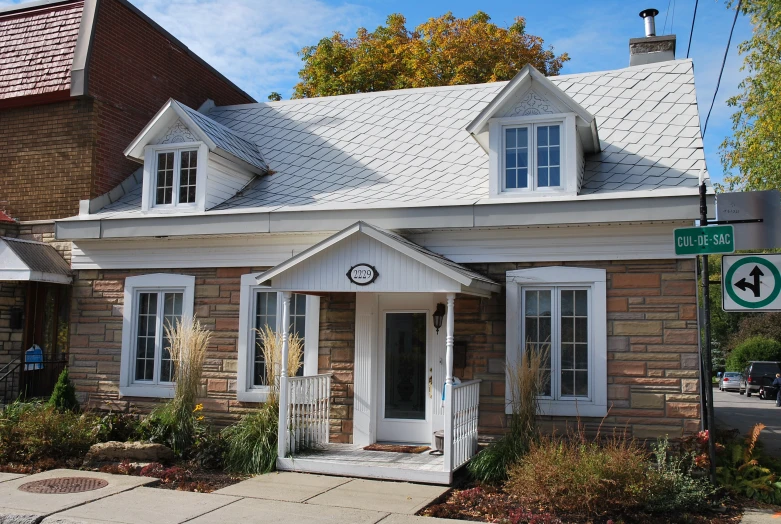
(464, 246)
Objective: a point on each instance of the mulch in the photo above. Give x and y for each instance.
(495, 505)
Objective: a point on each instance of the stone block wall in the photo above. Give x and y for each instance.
(653, 377)
(96, 343)
(652, 346)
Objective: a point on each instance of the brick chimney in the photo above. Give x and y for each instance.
(652, 48)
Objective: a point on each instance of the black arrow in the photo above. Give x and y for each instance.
(743, 285)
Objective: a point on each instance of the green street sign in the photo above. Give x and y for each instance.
(708, 240)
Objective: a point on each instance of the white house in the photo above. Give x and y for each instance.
(418, 241)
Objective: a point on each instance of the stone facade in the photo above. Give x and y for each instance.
(652, 346)
(653, 384)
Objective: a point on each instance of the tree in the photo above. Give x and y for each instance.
(274, 96)
(756, 348)
(754, 150)
(442, 51)
(63, 397)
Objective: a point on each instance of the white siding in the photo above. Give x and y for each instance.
(533, 244)
(365, 368)
(223, 180)
(327, 270)
(580, 160)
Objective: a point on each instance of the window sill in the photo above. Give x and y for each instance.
(148, 391)
(253, 395)
(571, 408)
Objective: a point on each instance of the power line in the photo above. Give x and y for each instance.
(691, 33)
(723, 63)
(666, 14)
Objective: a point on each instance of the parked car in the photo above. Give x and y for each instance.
(730, 380)
(759, 375)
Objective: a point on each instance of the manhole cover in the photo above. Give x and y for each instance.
(64, 485)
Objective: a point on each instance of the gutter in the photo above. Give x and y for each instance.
(471, 215)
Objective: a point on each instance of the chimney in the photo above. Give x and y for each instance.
(652, 48)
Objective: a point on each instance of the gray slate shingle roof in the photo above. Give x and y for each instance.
(410, 146)
(226, 138)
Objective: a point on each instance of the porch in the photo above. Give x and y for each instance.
(403, 389)
(307, 448)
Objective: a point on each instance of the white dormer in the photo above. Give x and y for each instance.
(536, 137)
(192, 163)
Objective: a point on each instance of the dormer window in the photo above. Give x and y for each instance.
(535, 148)
(532, 158)
(176, 175)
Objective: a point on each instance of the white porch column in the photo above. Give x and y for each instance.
(449, 330)
(282, 432)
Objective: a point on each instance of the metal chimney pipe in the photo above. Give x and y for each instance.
(650, 26)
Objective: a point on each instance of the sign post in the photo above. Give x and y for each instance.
(721, 240)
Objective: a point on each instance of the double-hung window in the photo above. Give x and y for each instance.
(176, 174)
(561, 312)
(152, 303)
(532, 157)
(262, 307)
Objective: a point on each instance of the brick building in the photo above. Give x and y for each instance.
(419, 242)
(79, 80)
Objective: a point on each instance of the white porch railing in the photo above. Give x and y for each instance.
(463, 412)
(309, 403)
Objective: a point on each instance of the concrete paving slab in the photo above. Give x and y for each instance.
(760, 516)
(144, 505)
(15, 502)
(377, 495)
(9, 476)
(260, 511)
(284, 486)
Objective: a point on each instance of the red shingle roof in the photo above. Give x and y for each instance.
(36, 50)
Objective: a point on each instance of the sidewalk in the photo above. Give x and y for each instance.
(277, 497)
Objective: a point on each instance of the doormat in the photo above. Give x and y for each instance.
(396, 448)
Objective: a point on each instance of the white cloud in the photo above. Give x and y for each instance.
(254, 42)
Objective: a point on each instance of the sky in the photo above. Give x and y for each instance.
(255, 42)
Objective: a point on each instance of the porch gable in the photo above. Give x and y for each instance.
(400, 266)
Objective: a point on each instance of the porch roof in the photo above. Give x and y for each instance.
(401, 266)
(26, 260)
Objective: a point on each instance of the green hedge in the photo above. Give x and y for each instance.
(755, 348)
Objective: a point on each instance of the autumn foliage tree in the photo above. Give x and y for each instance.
(754, 150)
(442, 51)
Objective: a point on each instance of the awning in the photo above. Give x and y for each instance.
(393, 263)
(26, 260)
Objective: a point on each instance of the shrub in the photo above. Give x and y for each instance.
(63, 397)
(251, 443)
(525, 379)
(575, 477)
(673, 486)
(114, 426)
(755, 348)
(33, 431)
(743, 470)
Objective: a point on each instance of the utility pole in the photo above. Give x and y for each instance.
(707, 342)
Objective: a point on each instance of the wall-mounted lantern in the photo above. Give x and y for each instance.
(439, 314)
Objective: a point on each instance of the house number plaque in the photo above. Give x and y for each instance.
(362, 274)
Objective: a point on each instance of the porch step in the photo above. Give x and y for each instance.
(369, 470)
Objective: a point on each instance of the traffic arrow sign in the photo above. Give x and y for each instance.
(751, 282)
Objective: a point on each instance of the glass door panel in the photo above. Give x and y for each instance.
(405, 366)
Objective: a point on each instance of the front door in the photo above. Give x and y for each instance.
(404, 413)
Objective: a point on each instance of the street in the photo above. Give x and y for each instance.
(737, 411)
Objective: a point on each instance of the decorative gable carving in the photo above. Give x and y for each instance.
(533, 104)
(530, 103)
(176, 134)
